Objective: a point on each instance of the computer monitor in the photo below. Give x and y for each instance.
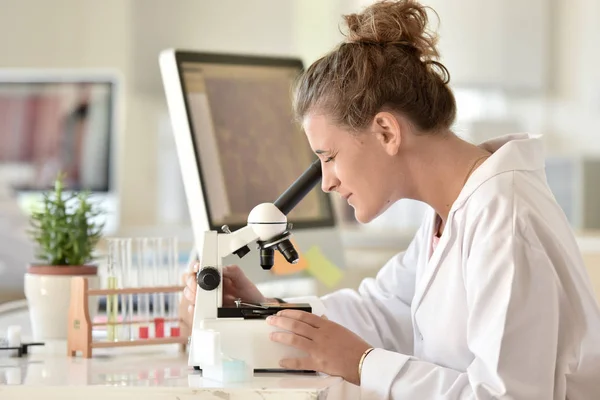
(238, 146)
(59, 120)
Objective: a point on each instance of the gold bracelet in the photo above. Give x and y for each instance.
(362, 359)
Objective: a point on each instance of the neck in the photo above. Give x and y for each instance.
(439, 167)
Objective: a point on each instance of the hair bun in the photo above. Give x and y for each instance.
(396, 22)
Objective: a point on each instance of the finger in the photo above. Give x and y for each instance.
(233, 272)
(187, 292)
(306, 317)
(193, 265)
(228, 283)
(191, 309)
(191, 281)
(229, 300)
(293, 340)
(298, 327)
(229, 288)
(303, 364)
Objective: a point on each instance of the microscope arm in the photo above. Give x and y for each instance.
(230, 243)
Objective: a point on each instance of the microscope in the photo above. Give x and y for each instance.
(240, 332)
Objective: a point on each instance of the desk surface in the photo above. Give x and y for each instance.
(159, 372)
(150, 372)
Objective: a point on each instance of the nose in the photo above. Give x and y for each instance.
(329, 181)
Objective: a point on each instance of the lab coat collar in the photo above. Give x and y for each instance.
(514, 152)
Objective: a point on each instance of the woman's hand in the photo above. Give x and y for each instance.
(236, 285)
(331, 348)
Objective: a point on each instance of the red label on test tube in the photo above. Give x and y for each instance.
(159, 327)
(143, 332)
(174, 331)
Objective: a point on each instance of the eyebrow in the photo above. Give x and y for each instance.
(318, 151)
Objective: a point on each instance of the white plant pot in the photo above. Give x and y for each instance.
(48, 297)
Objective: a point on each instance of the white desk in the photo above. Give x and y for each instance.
(148, 373)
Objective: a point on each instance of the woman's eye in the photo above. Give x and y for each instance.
(329, 159)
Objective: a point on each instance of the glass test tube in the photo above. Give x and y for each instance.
(143, 306)
(160, 245)
(122, 284)
(168, 273)
(122, 274)
(165, 250)
(130, 284)
(111, 300)
(148, 281)
(152, 283)
(157, 317)
(174, 272)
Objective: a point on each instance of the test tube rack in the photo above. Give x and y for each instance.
(79, 337)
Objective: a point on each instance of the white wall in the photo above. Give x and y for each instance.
(574, 106)
(496, 44)
(317, 26)
(64, 33)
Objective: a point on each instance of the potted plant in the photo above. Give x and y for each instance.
(65, 231)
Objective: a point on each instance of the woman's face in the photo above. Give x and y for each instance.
(361, 167)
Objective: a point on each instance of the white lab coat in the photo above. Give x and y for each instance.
(502, 309)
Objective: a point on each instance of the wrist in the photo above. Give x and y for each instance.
(361, 362)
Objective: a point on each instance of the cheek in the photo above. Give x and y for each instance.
(351, 175)
(361, 181)
(369, 184)
(360, 176)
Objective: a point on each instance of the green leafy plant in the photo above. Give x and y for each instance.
(64, 227)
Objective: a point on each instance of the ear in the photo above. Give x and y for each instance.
(387, 130)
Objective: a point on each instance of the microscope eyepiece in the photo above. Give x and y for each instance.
(267, 257)
(300, 188)
(286, 248)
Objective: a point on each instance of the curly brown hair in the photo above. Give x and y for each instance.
(388, 62)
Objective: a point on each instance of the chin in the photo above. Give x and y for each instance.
(364, 215)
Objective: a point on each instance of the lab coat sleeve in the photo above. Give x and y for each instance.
(379, 311)
(512, 328)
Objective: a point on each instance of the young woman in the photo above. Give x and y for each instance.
(491, 299)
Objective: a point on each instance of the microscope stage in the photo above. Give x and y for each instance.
(259, 311)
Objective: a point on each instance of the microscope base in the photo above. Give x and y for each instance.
(240, 339)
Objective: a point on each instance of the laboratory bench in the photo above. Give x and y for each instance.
(148, 372)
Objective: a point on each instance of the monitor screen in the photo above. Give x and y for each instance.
(249, 148)
(50, 126)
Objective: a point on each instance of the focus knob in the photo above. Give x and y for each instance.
(208, 278)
